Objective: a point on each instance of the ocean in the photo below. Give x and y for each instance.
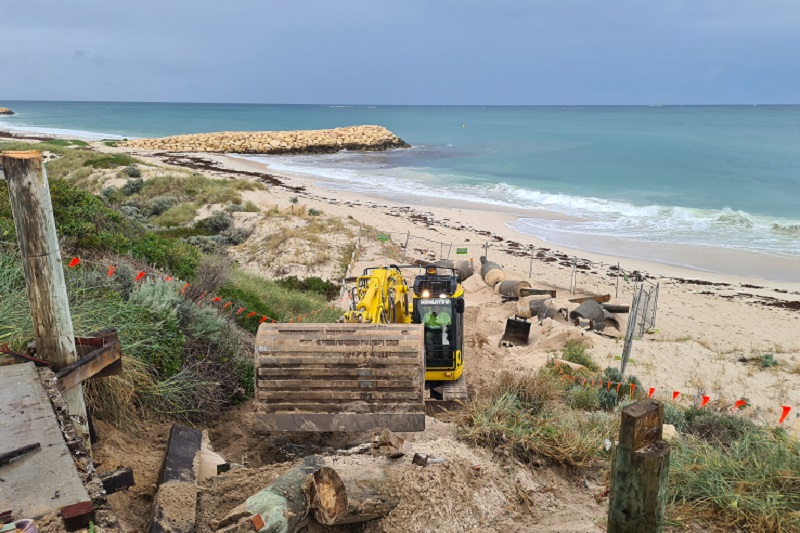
(632, 180)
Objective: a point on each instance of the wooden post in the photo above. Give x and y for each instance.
(32, 208)
(639, 471)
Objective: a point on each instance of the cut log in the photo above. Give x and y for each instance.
(599, 299)
(351, 494)
(282, 507)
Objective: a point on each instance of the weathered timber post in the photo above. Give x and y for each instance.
(639, 471)
(32, 208)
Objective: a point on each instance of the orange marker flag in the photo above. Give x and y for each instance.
(618, 386)
(608, 387)
(202, 295)
(273, 320)
(111, 270)
(633, 388)
(739, 404)
(251, 313)
(240, 311)
(263, 319)
(583, 382)
(784, 414)
(650, 393)
(705, 400)
(75, 262)
(185, 286)
(168, 279)
(227, 305)
(592, 382)
(216, 299)
(675, 394)
(139, 276)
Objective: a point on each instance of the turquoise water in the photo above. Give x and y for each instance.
(715, 176)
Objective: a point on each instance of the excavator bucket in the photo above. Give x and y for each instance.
(518, 329)
(340, 377)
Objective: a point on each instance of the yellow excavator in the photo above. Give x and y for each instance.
(381, 296)
(371, 369)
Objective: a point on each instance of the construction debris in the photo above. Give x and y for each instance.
(387, 444)
(282, 507)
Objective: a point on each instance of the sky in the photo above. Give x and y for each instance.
(460, 52)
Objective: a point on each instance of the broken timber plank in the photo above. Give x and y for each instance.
(117, 480)
(105, 360)
(599, 299)
(176, 500)
(537, 292)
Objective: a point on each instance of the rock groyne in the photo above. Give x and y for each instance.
(365, 138)
(6, 111)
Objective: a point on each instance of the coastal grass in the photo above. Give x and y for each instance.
(726, 472)
(197, 188)
(180, 361)
(274, 300)
(177, 215)
(72, 156)
(575, 352)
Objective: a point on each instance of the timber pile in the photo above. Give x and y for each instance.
(361, 138)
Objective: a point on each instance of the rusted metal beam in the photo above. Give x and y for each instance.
(599, 299)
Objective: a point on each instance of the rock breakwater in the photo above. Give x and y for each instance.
(365, 138)
(6, 111)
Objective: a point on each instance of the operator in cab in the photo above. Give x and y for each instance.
(436, 327)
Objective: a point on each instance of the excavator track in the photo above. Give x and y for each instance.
(340, 377)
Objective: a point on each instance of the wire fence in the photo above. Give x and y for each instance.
(431, 249)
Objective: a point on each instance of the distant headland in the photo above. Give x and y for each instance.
(6, 111)
(361, 138)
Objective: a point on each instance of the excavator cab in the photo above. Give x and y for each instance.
(438, 305)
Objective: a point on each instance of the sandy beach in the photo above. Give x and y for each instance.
(711, 331)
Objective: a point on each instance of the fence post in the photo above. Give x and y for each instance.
(449, 250)
(405, 248)
(639, 471)
(573, 280)
(616, 293)
(32, 209)
(486, 250)
(530, 269)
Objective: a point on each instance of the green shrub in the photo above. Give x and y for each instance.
(177, 258)
(575, 352)
(768, 360)
(675, 415)
(132, 172)
(132, 186)
(585, 398)
(160, 204)
(218, 222)
(314, 212)
(313, 284)
(716, 427)
(112, 194)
